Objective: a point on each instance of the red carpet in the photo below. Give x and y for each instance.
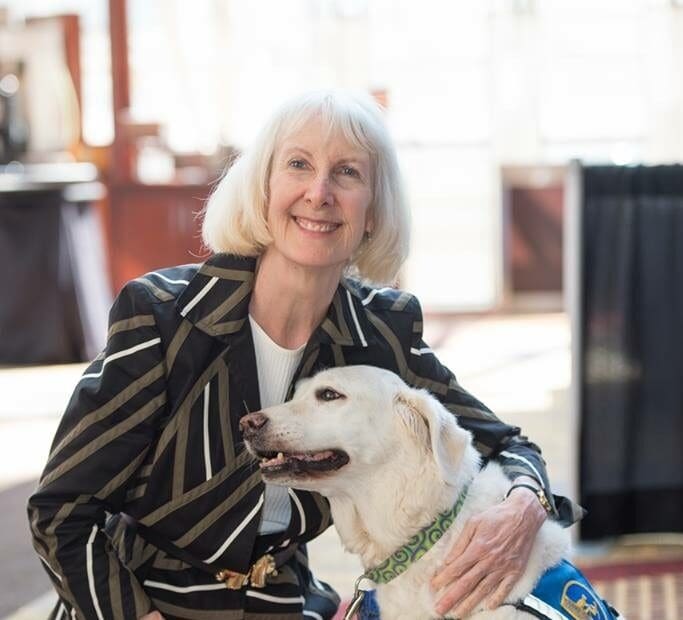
(640, 590)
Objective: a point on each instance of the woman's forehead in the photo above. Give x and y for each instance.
(315, 132)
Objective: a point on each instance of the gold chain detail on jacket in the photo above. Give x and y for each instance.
(256, 576)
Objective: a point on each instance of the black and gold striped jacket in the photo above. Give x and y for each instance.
(151, 433)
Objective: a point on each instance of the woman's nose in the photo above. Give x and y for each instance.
(318, 192)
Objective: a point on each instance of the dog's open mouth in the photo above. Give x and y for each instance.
(301, 463)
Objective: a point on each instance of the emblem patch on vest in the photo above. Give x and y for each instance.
(580, 603)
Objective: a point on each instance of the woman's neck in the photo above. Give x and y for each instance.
(290, 301)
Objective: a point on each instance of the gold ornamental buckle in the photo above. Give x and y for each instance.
(232, 579)
(256, 577)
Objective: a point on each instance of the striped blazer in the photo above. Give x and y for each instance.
(149, 449)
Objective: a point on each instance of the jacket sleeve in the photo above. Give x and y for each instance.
(103, 437)
(493, 438)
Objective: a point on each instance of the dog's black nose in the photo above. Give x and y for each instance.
(252, 422)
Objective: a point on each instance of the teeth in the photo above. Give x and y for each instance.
(306, 456)
(316, 226)
(280, 458)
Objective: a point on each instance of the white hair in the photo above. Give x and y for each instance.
(235, 214)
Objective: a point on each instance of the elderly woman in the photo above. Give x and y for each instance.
(149, 505)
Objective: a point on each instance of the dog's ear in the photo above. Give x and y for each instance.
(436, 428)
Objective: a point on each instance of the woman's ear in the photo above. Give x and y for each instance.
(369, 221)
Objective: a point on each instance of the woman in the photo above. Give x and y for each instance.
(149, 505)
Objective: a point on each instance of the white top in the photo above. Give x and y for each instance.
(275, 367)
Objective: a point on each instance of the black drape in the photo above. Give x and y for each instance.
(631, 441)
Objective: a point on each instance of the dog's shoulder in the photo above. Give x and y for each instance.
(382, 299)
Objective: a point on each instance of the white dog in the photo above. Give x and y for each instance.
(390, 459)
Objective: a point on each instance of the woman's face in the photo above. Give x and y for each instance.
(320, 189)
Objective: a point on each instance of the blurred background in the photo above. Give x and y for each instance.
(540, 141)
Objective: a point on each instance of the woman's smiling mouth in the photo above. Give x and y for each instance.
(314, 225)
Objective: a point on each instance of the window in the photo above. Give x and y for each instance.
(96, 113)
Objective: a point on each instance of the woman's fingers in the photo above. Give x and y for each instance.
(500, 594)
(484, 579)
(485, 587)
(454, 594)
(488, 557)
(465, 576)
(462, 542)
(459, 560)
(488, 587)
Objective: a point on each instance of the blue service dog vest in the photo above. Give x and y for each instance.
(562, 593)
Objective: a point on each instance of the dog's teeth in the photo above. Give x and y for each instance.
(280, 456)
(321, 456)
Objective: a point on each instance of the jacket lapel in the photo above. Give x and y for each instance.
(216, 301)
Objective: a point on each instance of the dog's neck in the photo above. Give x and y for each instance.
(381, 513)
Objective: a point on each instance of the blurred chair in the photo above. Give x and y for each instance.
(55, 283)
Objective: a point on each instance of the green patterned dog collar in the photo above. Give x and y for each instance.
(399, 561)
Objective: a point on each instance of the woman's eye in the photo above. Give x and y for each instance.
(350, 171)
(327, 394)
(297, 163)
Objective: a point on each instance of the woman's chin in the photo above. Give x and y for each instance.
(323, 269)
(318, 263)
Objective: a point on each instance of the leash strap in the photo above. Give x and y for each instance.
(279, 558)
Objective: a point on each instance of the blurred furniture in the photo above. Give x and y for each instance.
(149, 225)
(629, 353)
(56, 290)
(153, 226)
(40, 83)
(533, 205)
(69, 24)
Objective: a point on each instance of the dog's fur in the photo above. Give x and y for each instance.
(408, 461)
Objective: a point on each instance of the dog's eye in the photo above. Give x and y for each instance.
(327, 394)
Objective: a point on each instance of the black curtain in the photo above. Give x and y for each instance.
(631, 440)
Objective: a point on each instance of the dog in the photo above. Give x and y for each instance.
(391, 459)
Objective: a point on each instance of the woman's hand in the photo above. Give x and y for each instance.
(489, 556)
(152, 615)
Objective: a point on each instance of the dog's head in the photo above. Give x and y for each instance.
(348, 423)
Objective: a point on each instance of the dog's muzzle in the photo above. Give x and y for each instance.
(252, 423)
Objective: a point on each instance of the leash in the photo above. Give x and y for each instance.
(256, 575)
(401, 559)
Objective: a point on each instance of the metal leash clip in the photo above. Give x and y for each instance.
(356, 601)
